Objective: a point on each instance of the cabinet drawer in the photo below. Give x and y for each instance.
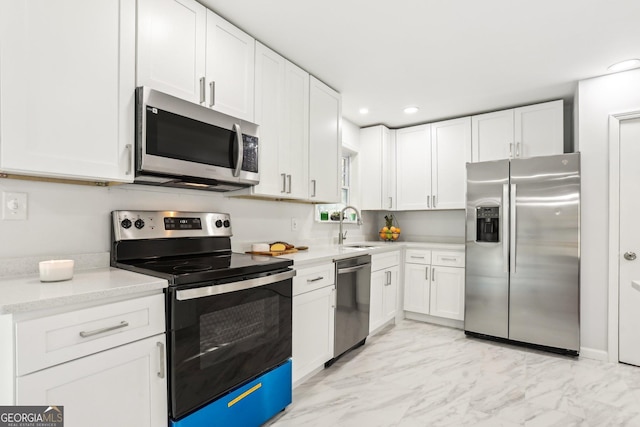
(418, 256)
(385, 260)
(51, 340)
(311, 278)
(447, 258)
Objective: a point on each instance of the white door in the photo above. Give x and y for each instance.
(447, 292)
(417, 279)
(67, 88)
(171, 47)
(131, 378)
(492, 136)
(390, 293)
(325, 115)
(389, 199)
(450, 152)
(413, 168)
(539, 129)
(229, 68)
(296, 131)
(371, 167)
(629, 303)
(376, 303)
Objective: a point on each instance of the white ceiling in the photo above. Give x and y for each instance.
(450, 58)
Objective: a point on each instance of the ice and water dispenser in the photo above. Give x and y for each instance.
(487, 224)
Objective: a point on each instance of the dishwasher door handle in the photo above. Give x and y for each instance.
(352, 269)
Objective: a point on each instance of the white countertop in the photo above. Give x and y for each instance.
(27, 293)
(330, 253)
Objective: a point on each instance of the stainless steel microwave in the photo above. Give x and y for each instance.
(182, 144)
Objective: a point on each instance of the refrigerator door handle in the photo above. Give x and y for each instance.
(512, 234)
(505, 230)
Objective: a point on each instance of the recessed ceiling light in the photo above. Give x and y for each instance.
(411, 110)
(625, 65)
(364, 111)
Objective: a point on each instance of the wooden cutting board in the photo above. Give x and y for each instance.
(278, 253)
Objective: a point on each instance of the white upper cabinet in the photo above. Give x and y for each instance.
(282, 111)
(378, 168)
(229, 69)
(189, 52)
(67, 88)
(325, 115)
(413, 167)
(450, 151)
(533, 130)
(171, 47)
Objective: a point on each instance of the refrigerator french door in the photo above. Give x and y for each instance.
(523, 250)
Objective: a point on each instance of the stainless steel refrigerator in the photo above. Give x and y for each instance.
(523, 251)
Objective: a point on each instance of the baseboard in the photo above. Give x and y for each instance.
(592, 353)
(458, 324)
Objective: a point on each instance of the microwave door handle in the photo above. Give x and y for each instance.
(239, 147)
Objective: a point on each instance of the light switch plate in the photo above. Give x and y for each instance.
(294, 224)
(14, 206)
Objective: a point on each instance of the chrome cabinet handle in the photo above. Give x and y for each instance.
(426, 273)
(433, 274)
(434, 201)
(85, 334)
(428, 201)
(129, 149)
(212, 93)
(630, 256)
(417, 257)
(510, 149)
(202, 84)
(517, 149)
(289, 180)
(315, 280)
(239, 146)
(313, 182)
(449, 259)
(284, 182)
(160, 347)
(390, 202)
(388, 274)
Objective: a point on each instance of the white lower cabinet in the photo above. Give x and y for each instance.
(434, 283)
(97, 358)
(313, 319)
(384, 289)
(131, 379)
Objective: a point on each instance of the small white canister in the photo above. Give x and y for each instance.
(56, 270)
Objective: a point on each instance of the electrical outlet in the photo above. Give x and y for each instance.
(294, 224)
(14, 206)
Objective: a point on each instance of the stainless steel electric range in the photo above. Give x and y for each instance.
(228, 315)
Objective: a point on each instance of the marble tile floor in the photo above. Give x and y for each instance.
(415, 374)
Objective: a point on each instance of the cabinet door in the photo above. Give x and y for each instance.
(313, 323)
(492, 136)
(171, 47)
(229, 68)
(269, 110)
(417, 278)
(450, 151)
(67, 88)
(539, 129)
(296, 132)
(131, 378)
(376, 302)
(447, 292)
(390, 294)
(413, 168)
(371, 165)
(324, 142)
(389, 198)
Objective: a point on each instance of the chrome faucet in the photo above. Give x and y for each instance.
(341, 235)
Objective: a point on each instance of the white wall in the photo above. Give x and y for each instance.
(418, 226)
(74, 219)
(597, 99)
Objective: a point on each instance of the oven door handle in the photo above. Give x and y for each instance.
(207, 291)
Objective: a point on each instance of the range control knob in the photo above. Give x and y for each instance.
(139, 224)
(218, 223)
(126, 223)
(227, 224)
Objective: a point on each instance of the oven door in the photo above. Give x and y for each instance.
(225, 334)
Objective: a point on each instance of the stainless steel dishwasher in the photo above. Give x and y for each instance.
(353, 292)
